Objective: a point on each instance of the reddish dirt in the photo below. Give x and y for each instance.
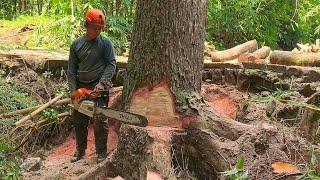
(224, 100)
(153, 176)
(57, 163)
(222, 103)
(65, 151)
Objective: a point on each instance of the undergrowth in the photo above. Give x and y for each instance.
(281, 95)
(238, 172)
(26, 139)
(57, 32)
(9, 168)
(311, 173)
(13, 97)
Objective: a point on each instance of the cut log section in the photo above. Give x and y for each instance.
(256, 56)
(314, 48)
(295, 58)
(234, 52)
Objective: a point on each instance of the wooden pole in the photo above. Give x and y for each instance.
(28, 110)
(37, 111)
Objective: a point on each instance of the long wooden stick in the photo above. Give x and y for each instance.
(28, 110)
(26, 67)
(37, 111)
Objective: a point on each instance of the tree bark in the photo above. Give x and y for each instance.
(163, 83)
(295, 58)
(167, 45)
(165, 62)
(234, 52)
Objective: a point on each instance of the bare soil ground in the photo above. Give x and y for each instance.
(261, 150)
(226, 100)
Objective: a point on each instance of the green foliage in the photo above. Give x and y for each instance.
(62, 90)
(281, 95)
(9, 168)
(61, 22)
(4, 148)
(238, 173)
(273, 23)
(51, 114)
(12, 97)
(118, 29)
(278, 94)
(69, 24)
(279, 24)
(311, 173)
(7, 9)
(181, 98)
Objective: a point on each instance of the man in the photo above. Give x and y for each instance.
(91, 65)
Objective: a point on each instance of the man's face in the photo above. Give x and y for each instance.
(93, 31)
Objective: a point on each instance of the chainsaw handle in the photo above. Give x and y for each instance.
(94, 94)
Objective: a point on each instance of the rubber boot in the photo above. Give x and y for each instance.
(80, 122)
(77, 156)
(100, 136)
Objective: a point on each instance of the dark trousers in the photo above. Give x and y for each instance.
(81, 122)
(100, 127)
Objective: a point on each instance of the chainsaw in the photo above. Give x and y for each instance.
(93, 103)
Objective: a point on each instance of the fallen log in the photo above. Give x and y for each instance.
(295, 58)
(304, 48)
(309, 48)
(234, 52)
(259, 54)
(30, 109)
(40, 60)
(37, 111)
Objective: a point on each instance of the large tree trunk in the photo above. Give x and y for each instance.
(167, 45)
(165, 62)
(163, 83)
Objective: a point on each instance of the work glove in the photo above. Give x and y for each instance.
(103, 86)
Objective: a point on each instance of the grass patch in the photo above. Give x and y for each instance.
(13, 97)
(9, 168)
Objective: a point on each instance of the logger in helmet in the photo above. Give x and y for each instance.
(91, 65)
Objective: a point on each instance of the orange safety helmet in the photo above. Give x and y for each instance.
(96, 17)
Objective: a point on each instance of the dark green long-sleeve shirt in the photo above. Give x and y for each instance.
(90, 62)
